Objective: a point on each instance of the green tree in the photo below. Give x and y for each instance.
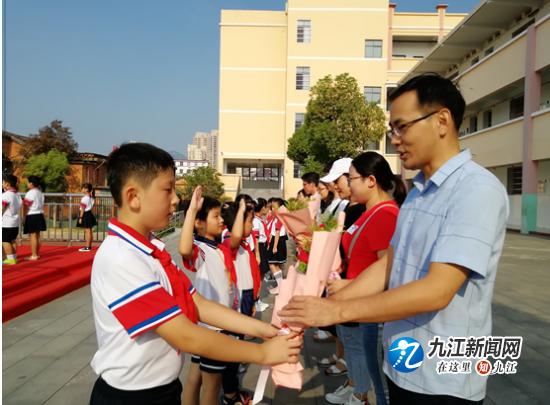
(51, 167)
(53, 136)
(208, 178)
(338, 123)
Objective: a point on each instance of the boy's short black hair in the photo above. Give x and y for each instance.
(35, 180)
(10, 179)
(435, 90)
(311, 177)
(141, 161)
(229, 214)
(260, 204)
(208, 204)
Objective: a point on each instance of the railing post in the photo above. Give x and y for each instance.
(70, 218)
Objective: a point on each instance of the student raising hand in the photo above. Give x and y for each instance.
(196, 199)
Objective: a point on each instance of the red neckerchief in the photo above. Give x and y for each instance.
(254, 268)
(181, 285)
(228, 261)
(264, 224)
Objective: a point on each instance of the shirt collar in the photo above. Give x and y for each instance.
(133, 237)
(448, 168)
(209, 242)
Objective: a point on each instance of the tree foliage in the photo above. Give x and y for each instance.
(53, 136)
(208, 178)
(338, 123)
(51, 167)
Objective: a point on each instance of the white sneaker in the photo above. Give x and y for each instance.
(353, 400)
(341, 395)
(261, 306)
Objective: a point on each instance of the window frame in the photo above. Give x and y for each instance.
(303, 31)
(301, 82)
(370, 88)
(374, 44)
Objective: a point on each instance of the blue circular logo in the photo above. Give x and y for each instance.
(405, 354)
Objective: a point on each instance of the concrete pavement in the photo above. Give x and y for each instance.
(46, 352)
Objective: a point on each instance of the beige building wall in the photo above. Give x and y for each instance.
(501, 63)
(259, 58)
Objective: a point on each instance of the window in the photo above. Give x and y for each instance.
(372, 94)
(474, 61)
(514, 181)
(298, 120)
(489, 50)
(473, 124)
(390, 149)
(516, 107)
(303, 33)
(389, 90)
(373, 145)
(302, 78)
(297, 170)
(373, 48)
(487, 119)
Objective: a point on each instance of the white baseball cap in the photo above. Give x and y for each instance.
(338, 168)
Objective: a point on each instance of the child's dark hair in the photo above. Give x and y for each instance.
(140, 161)
(279, 201)
(89, 188)
(373, 164)
(229, 214)
(35, 180)
(260, 204)
(311, 177)
(10, 179)
(247, 199)
(208, 204)
(435, 90)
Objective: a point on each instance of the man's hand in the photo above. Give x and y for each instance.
(333, 286)
(196, 200)
(310, 311)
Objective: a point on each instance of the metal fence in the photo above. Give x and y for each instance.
(61, 213)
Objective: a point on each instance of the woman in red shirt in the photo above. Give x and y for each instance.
(372, 183)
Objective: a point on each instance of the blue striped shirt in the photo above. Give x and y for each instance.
(458, 216)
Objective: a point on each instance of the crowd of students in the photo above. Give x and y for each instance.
(405, 259)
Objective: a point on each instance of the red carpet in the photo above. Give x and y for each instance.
(29, 284)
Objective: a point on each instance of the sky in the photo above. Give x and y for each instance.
(124, 70)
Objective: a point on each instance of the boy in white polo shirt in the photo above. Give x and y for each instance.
(11, 202)
(145, 308)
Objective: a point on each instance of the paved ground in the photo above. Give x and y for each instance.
(46, 352)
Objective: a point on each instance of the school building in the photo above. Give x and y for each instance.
(499, 57)
(270, 59)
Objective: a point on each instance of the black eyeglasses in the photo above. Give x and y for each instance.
(397, 132)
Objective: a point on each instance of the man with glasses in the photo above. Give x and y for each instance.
(437, 277)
